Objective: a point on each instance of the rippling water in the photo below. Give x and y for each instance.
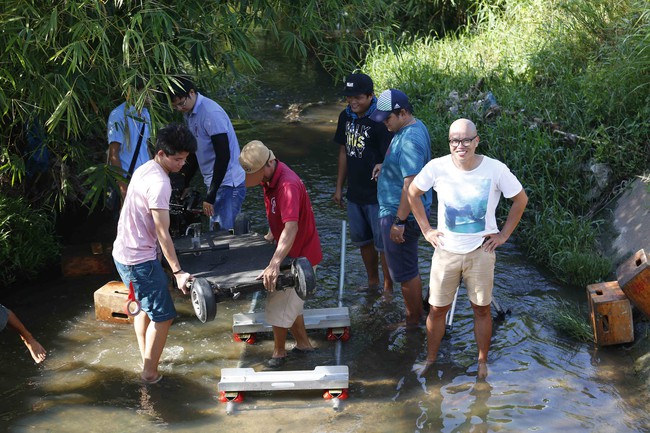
(539, 380)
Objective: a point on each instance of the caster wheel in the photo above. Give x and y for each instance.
(342, 334)
(233, 396)
(341, 394)
(245, 338)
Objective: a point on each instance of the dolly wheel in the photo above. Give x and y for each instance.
(234, 396)
(342, 334)
(245, 338)
(341, 394)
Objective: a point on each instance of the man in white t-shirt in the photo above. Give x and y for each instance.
(469, 187)
(143, 228)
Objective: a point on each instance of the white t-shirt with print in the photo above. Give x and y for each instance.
(467, 200)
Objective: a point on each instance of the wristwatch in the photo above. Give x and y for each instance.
(398, 222)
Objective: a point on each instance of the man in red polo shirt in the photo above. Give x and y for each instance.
(293, 228)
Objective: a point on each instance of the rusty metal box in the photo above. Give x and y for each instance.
(633, 276)
(110, 301)
(611, 314)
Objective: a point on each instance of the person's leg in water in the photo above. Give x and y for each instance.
(412, 293)
(153, 342)
(360, 220)
(370, 259)
(279, 342)
(299, 332)
(435, 331)
(152, 323)
(403, 264)
(483, 335)
(388, 281)
(444, 280)
(479, 280)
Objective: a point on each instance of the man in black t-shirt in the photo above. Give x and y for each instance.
(363, 143)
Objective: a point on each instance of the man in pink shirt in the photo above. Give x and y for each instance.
(293, 227)
(142, 229)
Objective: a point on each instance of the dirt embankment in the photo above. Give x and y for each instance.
(630, 221)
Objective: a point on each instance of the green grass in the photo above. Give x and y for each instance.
(570, 320)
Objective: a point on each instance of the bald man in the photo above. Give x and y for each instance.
(469, 187)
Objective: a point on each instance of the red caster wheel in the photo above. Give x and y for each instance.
(342, 334)
(234, 396)
(341, 394)
(246, 338)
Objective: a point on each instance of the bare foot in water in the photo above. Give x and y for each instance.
(37, 351)
(482, 370)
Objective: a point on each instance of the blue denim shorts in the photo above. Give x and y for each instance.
(150, 284)
(364, 225)
(402, 258)
(228, 205)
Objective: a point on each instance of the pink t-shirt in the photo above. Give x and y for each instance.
(136, 240)
(286, 199)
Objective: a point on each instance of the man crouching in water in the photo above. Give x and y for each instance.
(143, 225)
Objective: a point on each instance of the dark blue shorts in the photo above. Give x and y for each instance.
(402, 258)
(150, 284)
(364, 225)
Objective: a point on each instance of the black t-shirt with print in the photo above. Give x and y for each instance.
(366, 143)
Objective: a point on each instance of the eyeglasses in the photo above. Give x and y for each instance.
(180, 104)
(455, 142)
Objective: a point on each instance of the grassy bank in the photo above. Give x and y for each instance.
(559, 92)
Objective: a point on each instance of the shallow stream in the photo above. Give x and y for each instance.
(538, 381)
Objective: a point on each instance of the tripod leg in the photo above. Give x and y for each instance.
(449, 320)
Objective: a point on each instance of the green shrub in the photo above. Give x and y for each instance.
(580, 268)
(27, 240)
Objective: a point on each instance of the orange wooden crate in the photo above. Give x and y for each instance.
(633, 276)
(110, 300)
(611, 314)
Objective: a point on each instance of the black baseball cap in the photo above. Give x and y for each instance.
(357, 84)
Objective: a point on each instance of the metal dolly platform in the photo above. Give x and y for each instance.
(336, 320)
(333, 379)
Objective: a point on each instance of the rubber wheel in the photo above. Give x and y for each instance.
(203, 300)
(305, 278)
(242, 225)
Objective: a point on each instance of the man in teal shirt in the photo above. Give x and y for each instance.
(408, 152)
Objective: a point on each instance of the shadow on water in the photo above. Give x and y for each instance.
(539, 381)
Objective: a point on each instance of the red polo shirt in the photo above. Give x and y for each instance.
(286, 199)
